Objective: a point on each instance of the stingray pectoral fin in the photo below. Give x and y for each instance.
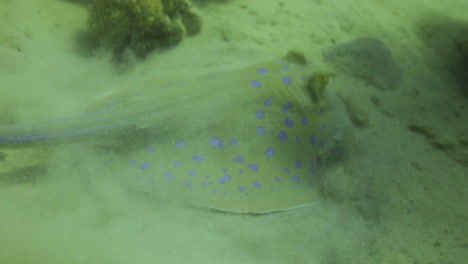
(218, 180)
(245, 140)
(252, 140)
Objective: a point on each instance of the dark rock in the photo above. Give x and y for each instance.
(367, 59)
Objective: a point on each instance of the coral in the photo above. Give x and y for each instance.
(139, 25)
(183, 9)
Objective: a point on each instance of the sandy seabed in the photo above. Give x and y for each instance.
(401, 196)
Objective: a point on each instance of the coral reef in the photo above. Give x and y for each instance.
(139, 25)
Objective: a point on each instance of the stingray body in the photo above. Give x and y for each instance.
(248, 140)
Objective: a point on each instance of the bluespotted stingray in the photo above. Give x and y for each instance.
(254, 140)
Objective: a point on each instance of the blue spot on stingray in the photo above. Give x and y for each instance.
(278, 179)
(256, 84)
(187, 184)
(253, 167)
(216, 143)
(211, 76)
(260, 114)
(133, 161)
(214, 190)
(313, 139)
(257, 184)
(207, 177)
(221, 180)
(283, 136)
(227, 177)
(284, 67)
(233, 142)
(286, 107)
(239, 159)
(324, 126)
(192, 173)
(144, 166)
(181, 144)
(262, 70)
(241, 171)
(224, 170)
(268, 102)
(241, 189)
(261, 131)
(150, 149)
(298, 164)
(287, 81)
(304, 120)
(177, 164)
(270, 152)
(289, 123)
(286, 170)
(198, 158)
(296, 179)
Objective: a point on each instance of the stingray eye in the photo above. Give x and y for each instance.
(316, 84)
